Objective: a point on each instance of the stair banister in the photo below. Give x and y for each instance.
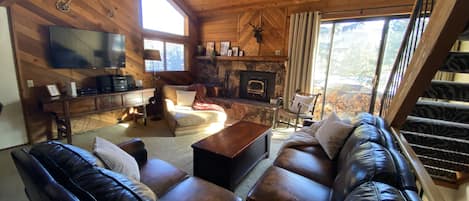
(448, 20)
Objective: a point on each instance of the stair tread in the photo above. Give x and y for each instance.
(436, 137)
(440, 153)
(437, 122)
(457, 62)
(445, 174)
(437, 142)
(444, 164)
(449, 90)
(452, 112)
(444, 104)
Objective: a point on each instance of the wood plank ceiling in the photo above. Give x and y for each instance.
(205, 8)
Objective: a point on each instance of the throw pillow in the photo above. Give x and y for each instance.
(185, 98)
(116, 159)
(300, 102)
(332, 134)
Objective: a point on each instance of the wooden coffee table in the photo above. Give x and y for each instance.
(226, 157)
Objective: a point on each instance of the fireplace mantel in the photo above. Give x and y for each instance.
(246, 58)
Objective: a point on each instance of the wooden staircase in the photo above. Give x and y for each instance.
(432, 115)
(438, 126)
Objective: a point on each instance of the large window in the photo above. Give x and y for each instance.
(160, 15)
(172, 56)
(347, 69)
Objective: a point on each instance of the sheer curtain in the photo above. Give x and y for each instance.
(302, 47)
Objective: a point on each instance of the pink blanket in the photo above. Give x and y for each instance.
(200, 102)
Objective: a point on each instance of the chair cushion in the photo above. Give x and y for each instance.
(280, 184)
(316, 166)
(195, 189)
(301, 102)
(332, 134)
(186, 116)
(104, 185)
(169, 91)
(185, 98)
(115, 158)
(368, 162)
(161, 176)
(375, 191)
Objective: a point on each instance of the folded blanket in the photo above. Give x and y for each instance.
(206, 106)
(303, 137)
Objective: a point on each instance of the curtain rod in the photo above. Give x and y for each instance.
(363, 9)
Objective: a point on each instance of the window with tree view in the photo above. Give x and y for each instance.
(172, 56)
(347, 69)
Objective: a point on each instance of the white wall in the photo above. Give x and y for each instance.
(12, 127)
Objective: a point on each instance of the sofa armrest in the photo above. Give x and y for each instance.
(169, 105)
(136, 148)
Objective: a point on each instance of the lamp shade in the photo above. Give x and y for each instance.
(151, 55)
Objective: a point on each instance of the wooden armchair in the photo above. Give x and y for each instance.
(301, 106)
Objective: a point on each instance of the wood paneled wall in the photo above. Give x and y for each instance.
(30, 20)
(233, 24)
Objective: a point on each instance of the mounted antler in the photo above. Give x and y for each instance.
(257, 31)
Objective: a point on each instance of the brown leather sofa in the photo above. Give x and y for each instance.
(56, 172)
(368, 167)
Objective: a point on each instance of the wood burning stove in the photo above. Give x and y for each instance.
(256, 85)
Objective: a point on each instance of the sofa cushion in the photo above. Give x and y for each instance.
(363, 133)
(161, 176)
(185, 98)
(368, 162)
(375, 191)
(195, 189)
(63, 161)
(316, 167)
(106, 185)
(169, 91)
(364, 118)
(115, 158)
(280, 184)
(332, 134)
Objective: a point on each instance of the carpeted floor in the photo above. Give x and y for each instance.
(160, 144)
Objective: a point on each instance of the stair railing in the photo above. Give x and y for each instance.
(422, 9)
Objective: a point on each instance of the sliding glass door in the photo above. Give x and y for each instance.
(353, 64)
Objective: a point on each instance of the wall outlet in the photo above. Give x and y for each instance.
(30, 83)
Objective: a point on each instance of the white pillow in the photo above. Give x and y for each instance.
(332, 134)
(185, 98)
(116, 159)
(304, 100)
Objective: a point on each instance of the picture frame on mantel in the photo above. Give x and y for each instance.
(210, 48)
(224, 47)
(235, 51)
(53, 90)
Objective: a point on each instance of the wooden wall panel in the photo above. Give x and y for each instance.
(30, 21)
(220, 24)
(247, 42)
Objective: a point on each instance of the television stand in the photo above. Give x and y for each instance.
(65, 107)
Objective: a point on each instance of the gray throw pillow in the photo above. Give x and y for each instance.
(332, 134)
(116, 159)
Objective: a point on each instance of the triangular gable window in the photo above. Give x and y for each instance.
(160, 15)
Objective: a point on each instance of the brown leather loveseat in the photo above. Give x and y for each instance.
(368, 167)
(53, 171)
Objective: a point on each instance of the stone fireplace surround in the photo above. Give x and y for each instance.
(227, 74)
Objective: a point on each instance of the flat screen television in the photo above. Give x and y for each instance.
(75, 48)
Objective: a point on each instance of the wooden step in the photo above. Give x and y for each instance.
(444, 164)
(440, 154)
(456, 131)
(434, 142)
(445, 175)
(448, 90)
(442, 111)
(456, 62)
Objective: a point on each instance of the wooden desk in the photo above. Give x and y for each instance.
(65, 107)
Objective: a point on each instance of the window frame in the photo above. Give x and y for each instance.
(165, 37)
(163, 57)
